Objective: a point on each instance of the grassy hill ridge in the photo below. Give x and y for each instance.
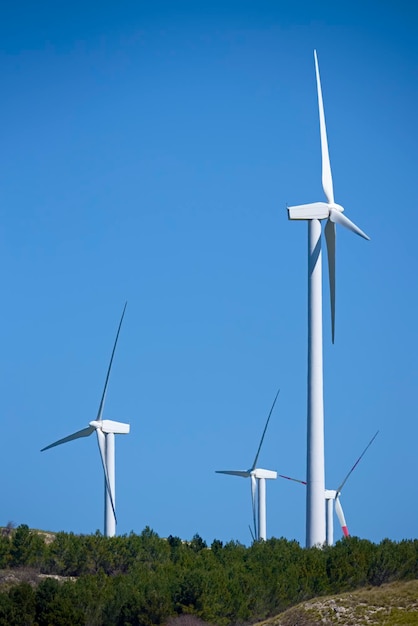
(394, 604)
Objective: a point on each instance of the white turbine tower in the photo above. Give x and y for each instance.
(332, 500)
(314, 212)
(105, 431)
(258, 485)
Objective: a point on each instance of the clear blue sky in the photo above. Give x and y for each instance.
(148, 151)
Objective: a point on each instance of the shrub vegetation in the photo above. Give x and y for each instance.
(145, 580)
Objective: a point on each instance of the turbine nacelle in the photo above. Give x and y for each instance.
(330, 494)
(263, 473)
(313, 211)
(110, 426)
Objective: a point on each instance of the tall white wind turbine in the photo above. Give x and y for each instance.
(314, 213)
(258, 485)
(105, 431)
(332, 500)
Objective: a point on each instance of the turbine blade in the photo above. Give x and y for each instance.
(80, 433)
(296, 480)
(330, 239)
(102, 401)
(101, 441)
(340, 515)
(340, 218)
(264, 431)
(357, 462)
(253, 502)
(326, 166)
(243, 474)
(251, 532)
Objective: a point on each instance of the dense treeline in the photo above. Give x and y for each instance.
(145, 580)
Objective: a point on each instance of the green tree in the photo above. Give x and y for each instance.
(22, 598)
(55, 605)
(6, 610)
(27, 548)
(348, 563)
(197, 543)
(67, 555)
(5, 557)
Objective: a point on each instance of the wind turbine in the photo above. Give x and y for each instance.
(314, 213)
(258, 485)
(105, 431)
(332, 500)
(334, 496)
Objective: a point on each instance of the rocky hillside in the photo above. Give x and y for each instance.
(395, 604)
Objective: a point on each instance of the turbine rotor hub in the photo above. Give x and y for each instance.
(336, 207)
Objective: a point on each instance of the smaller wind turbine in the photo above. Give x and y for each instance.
(332, 496)
(258, 485)
(105, 431)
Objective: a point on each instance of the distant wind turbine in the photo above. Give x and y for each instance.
(332, 497)
(105, 431)
(314, 213)
(258, 485)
